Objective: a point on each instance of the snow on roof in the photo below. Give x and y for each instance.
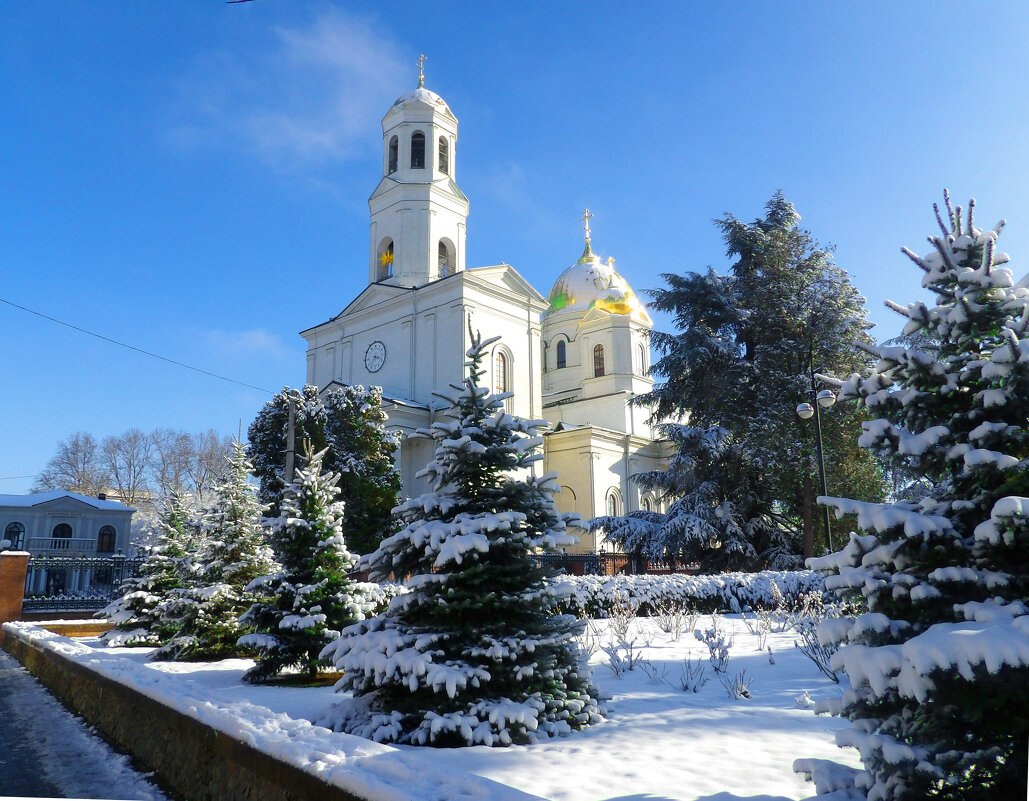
(28, 501)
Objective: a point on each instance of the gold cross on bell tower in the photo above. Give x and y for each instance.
(585, 219)
(421, 70)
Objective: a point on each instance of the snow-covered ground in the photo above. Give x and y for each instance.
(658, 741)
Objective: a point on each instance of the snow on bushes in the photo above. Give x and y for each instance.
(594, 596)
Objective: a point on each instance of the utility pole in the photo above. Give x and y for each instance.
(291, 439)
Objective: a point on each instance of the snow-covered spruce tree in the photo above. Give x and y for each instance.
(137, 616)
(350, 423)
(234, 554)
(742, 357)
(310, 600)
(939, 666)
(475, 653)
(724, 517)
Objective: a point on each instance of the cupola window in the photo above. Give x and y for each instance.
(444, 155)
(417, 151)
(598, 361)
(641, 359)
(394, 154)
(562, 354)
(384, 260)
(444, 259)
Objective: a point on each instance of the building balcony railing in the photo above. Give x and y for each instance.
(61, 545)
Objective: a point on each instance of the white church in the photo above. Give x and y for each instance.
(574, 358)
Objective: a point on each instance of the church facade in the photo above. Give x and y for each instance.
(574, 358)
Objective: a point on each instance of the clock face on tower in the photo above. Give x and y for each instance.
(375, 356)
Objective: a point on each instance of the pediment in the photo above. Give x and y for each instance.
(371, 296)
(507, 278)
(65, 504)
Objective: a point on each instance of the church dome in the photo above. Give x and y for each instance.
(591, 285)
(422, 96)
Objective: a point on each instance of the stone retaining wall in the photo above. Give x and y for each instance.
(196, 762)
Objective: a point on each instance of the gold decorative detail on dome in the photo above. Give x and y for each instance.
(421, 71)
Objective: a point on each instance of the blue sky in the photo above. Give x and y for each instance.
(192, 177)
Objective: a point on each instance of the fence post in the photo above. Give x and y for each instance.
(13, 567)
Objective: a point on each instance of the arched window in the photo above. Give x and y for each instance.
(443, 259)
(444, 155)
(15, 532)
(562, 360)
(394, 154)
(384, 267)
(612, 503)
(500, 372)
(598, 361)
(105, 540)
(646, 505)
(641, 359)
(62, 531)
(417, 151)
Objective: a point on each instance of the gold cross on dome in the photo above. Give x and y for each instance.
(585, 218)
(421, 70)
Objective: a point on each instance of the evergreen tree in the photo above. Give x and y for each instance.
(939, 666)
(350, 423)
(137, 615)
(724, 517)
(311, 599)
(233, 555)
(476, 652)
(747, 345)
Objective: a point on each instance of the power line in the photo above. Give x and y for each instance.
(133, 347)
(12, 478)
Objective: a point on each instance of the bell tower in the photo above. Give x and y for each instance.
(418, 213)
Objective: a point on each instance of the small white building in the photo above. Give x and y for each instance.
(575, 358)
(61, 523)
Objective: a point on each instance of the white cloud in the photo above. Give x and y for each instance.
(247, 344)
(312, 97)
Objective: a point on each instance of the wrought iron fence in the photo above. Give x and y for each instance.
(72, 582)
(592, 564)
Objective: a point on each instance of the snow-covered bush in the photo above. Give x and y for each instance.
(476, 652)
(594, 596)
(939, 665)
(306, 604)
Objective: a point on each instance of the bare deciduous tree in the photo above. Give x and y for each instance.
(77, 466)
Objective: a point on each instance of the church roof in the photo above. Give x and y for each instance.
(590, 286)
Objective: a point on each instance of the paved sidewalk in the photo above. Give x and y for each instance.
(47, 752)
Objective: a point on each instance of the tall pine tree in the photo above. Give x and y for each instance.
(234, 554)
(939, 666)
(306, 604)
(744, 352)
(350, 423)
(137, 615)
(724, 516)
(476, 652)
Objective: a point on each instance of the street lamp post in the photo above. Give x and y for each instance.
(805, 411)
